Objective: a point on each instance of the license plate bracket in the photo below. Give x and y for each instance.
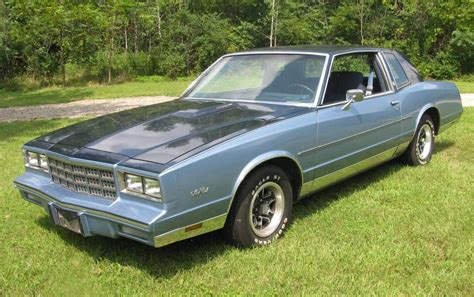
(70, 220)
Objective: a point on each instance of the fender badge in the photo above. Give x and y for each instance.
(199, 191)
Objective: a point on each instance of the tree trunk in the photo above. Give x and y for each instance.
(275, 29)
(111, 49)
(158, 18)
(382, 27)
(126, 39)
(361, 19)
(136, 34)
(325, 16)
(62, 61)
(109, 58)
(63, 70)
(272, 12)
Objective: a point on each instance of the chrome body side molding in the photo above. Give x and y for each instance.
(341, 174)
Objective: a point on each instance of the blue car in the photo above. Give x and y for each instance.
(256, 132)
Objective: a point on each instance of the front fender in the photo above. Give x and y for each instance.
(259, 160)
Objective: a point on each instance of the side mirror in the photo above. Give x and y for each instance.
(354, 95)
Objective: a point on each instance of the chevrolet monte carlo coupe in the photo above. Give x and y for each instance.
(257, 131)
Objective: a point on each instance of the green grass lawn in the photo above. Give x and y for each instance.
(465, 86)
(62, 95)
(394, 230)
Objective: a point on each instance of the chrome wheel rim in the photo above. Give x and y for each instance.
(424, 142)
(266, 209)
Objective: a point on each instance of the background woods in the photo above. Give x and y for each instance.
(66, 42)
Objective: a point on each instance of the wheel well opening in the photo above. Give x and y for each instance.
(292, 170)
(434, 114)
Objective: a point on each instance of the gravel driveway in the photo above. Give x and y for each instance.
(77, 109)
(467, 99)
(100, 107)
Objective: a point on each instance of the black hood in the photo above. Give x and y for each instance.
(163, 132)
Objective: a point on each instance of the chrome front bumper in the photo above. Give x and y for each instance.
(96, 222)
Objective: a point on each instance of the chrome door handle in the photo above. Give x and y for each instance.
(393, 103)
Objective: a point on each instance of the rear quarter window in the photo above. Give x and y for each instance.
(396, 70)
(413, 75)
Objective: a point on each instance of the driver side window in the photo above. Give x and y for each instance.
(353, 71)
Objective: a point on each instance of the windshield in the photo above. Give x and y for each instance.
(286, 78)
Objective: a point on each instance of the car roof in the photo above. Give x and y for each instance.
(323, 49)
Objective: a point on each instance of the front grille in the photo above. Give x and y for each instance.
(82, 179)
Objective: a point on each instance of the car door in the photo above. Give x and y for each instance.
(365, 133)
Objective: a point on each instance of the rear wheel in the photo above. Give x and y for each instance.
(421, 147)
(262, 208)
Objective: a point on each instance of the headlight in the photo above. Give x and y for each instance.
(32, 159)
(152, 187)
(36, 160)
(43, 161)
(144, 187)
(133, 183)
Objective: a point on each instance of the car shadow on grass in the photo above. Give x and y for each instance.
(442, 145)
(165, 262)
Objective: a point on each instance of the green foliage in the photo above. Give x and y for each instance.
(114, 41)
(443, 66)
(462, 44)
(302, 23)
(243, 36)
(44, 35)
(171, 64)
(358, 63)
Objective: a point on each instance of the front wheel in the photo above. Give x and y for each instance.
(262, 208)
(421, 147)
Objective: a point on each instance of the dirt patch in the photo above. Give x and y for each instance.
(77, 109)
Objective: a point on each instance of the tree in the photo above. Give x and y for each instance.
(113, 40)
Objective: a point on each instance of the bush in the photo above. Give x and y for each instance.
(462, 44)
(124, 66)
(139, 64)
(174, 65)
(20, 83)
(443, 66)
